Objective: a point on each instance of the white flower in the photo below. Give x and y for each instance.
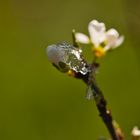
(136, 132)
(99, 36)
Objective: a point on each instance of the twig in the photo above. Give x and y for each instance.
(101, 104)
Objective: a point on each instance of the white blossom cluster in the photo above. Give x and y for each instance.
(98, 36)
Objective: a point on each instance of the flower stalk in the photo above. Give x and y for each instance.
(101, 105)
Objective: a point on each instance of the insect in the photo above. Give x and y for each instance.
(66, 57)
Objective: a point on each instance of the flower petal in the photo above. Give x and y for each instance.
(113, 32)
(82, 38)
(97, 32)
(112, 37)
(119, 41)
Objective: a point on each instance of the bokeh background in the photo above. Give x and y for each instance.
(37, 102)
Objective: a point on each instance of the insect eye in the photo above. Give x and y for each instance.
(63, 67)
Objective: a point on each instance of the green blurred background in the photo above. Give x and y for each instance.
(37, 102)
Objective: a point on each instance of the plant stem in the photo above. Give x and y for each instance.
(101, 104)
(104, 112)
